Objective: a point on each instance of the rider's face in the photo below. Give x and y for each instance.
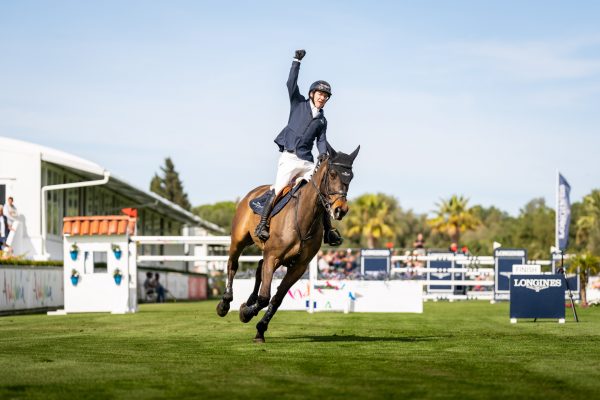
(320, 98)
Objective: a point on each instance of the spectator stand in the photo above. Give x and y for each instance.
(446, 275)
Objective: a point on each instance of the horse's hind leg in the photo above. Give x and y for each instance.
(247, 312)
(288, 281)
(235, 250)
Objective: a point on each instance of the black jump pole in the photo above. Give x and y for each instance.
(562, 270)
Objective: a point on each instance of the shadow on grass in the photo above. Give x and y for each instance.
(357, 338)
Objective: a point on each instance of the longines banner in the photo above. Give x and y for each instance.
(537, 296)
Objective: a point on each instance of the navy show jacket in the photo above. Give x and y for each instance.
(302, 129)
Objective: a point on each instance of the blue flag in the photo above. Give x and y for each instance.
(563, 212)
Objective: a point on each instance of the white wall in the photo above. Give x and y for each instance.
(27, 288)
(345, 295)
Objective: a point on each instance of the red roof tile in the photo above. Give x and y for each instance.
(99, 225)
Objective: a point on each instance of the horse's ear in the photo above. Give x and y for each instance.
(354, 153)
(332, 153)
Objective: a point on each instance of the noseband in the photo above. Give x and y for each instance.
(323, 196)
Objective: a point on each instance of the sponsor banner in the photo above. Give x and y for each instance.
(510, 253)
(504, 260)
(537, 296)
(526, 269)
(444, 261)
(375, 261)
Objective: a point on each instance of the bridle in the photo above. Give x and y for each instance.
(323, 196)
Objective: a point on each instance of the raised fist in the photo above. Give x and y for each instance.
(300, 54)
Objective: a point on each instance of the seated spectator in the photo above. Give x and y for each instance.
(149, 286)
(322, 265)
(160, 290)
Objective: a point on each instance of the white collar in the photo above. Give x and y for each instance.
(313, 108)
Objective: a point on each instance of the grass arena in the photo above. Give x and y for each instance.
(463, 350)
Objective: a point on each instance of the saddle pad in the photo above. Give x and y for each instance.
(258, 203)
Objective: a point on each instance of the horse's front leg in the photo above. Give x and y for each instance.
(288, 281)
(257, 280)
(232, 266)
(249, 311)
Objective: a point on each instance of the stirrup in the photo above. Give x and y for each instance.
(333, 238)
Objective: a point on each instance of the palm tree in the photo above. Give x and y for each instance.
(588, 224)
(372, 217)
(453, 217)
(588, 265)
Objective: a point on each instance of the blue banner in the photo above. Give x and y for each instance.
(537, 296)
(563, 212)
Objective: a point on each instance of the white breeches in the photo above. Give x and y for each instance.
(289, 168)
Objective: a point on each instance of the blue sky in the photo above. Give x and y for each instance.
(482, 99)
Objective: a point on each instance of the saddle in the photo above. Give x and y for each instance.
(281, 199)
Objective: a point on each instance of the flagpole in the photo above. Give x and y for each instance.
(557, 189)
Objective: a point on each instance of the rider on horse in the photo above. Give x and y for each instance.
(306, 123)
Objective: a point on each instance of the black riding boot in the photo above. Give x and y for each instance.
(331, 235)
(262, 229)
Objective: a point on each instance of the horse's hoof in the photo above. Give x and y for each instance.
(246, 313)
(259, 340)
(222, 308)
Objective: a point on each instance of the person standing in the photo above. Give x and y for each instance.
(10, 210)
(4, 228)
(306, 124)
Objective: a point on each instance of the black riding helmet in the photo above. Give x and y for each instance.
(321, 86)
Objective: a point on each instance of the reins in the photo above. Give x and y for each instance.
(321, 199)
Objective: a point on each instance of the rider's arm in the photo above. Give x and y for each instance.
(292, 82)
(322, 140)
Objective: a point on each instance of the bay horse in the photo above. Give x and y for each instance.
(296, 235)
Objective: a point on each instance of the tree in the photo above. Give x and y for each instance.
(372, 218)
(496, 226)
(534, 229)
(220, 213)
(588, 265)
(453, 217)
(588, 223)
(170, 186)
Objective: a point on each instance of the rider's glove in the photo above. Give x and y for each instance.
(300, 54)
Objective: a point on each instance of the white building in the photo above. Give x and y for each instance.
(29, 173)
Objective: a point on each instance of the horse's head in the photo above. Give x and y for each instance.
(336, 180)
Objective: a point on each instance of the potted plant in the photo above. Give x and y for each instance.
(74, 251)
(117, 276)
(74, 277)
(117, 251)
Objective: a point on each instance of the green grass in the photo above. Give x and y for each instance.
(465, 350)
